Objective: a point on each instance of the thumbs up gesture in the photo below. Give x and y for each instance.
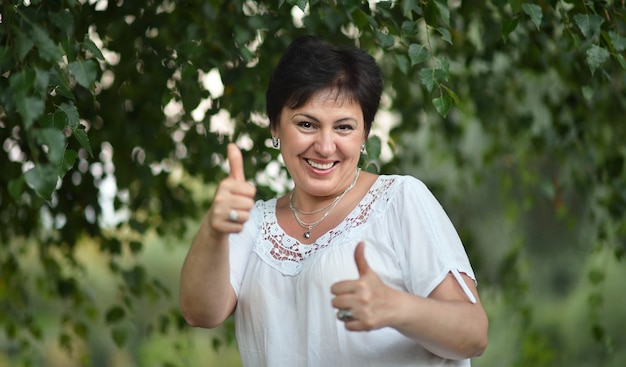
(366, 300)
(233, 199)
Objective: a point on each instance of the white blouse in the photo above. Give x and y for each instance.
(284, 315)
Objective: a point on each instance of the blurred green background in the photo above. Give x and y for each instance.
(114, 118)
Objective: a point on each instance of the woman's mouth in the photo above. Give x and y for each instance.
(318, 165)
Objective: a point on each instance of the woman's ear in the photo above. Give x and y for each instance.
(275, 139)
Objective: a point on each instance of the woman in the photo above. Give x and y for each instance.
(349, 268)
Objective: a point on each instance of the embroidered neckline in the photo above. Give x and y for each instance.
(286, 253)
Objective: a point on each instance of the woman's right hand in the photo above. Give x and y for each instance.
(233, 199)
(206, 295)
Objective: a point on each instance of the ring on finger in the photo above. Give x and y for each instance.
(233, 215)
(345, 315)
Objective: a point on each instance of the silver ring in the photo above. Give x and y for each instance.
(345, 315)
(233, 215)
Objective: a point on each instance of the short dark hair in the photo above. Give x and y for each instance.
(310, 65)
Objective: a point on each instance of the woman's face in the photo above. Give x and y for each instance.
(321, 143)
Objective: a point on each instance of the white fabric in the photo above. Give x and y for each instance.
(284, 315)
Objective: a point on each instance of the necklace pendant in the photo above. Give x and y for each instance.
(307, 234)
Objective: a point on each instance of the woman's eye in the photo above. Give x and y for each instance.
(305, 124)
(345, 127)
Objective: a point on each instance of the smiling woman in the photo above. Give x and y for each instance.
(321, 145)
(344, 252)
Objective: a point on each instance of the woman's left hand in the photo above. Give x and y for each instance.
(446, 323)
(367, 301)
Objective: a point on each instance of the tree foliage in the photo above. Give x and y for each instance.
(108, 126)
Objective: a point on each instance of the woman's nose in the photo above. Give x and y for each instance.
(325, 143)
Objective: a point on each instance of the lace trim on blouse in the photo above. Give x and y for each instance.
(286, 254)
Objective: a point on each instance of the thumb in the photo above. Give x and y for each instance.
(359, 257)
(235, 161)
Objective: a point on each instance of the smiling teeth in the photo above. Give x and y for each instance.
(320, 165)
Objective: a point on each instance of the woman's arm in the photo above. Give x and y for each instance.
(446, 323)
(206, 295)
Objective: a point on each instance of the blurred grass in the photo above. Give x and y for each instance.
(162, 259)
(560, 322)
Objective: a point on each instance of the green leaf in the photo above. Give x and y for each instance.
(114, 315)
(81, 329)
(119, 335)
(427, 78)
(508, 26)
(453, 95)
(359, 18)
(409, 28)
(369, 161)
(411, 6)
(516, 5)
(430, 14)
(81, 136)
(384, 40)
(91, 47)
(42, 179)
(620, 59)
(42, 78)
(587, 93)
(85, 72)
(69, 159)
(618, 41)
(246, 54)
(299, 3)
(23, 44)
(190, 91)
(65, 341)
(589, 24)
(385, 4)
(66, 287)
(594, 300)
(535, 13)
(431, 77)
(445, 34)
(58, 120)
(54, 139)
(65, 92)
(444, 11)
(418, 53)
(136, 280)
(599, 332)
(73, 120)
(136, 246)
(596, 56)
(63, 20)
(30, 108)
(16, 188)
(21, 82)
(46, 48)
(374, 146)
(402, 62)
(442, 104)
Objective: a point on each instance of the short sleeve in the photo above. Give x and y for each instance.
(428, 245)
(241, 245)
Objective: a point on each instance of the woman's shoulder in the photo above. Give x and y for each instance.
(399, 182)
(398, 191)
(262, 204)
(262, 208)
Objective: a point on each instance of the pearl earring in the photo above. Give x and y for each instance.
(275, 142)
(363, 151)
